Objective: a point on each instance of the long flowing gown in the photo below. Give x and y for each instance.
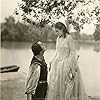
(65, 82)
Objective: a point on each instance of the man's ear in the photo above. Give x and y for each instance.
(41, 52)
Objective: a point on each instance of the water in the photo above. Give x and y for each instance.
(19, 53)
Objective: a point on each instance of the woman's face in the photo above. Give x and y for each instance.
(59, 32)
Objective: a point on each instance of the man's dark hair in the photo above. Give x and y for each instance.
(36, 48)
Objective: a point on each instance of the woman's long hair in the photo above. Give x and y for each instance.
(62, 27)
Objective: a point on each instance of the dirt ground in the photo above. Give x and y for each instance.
(13, 87)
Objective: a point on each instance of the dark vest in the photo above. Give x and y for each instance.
(42, 84)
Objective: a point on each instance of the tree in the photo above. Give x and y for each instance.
(21, 29)
(33, 33)
(11, 30)
(8, 29)
(97, 32)
(77, 12)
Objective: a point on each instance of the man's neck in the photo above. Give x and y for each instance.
(40, 58)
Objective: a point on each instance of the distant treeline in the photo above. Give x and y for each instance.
(18, 31)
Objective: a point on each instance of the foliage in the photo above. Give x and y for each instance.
(75, 35)
(97, 32)
(17, 31)
(77, 12)
(45, 34)
(10, 30)
(86, 37)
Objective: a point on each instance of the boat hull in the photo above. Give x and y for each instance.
(12, 68)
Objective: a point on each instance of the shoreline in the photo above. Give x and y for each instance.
(78, 40)
(13, 87)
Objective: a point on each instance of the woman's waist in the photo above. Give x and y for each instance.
(62, 55)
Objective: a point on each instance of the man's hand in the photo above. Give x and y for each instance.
(29, 96)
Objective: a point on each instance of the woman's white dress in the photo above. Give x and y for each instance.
(65, 81)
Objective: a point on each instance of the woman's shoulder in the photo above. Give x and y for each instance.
(69, 38)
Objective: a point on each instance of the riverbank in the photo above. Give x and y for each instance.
(13, 87)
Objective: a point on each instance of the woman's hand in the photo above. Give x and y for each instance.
(50, 65)
(71, 74)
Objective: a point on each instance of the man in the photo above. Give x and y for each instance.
(36, 84)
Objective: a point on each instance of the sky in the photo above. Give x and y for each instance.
(8, 6)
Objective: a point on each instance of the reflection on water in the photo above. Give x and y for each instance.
(27, 45)
(15, 45)
(89, 61)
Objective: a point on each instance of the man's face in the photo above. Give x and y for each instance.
(42, 45)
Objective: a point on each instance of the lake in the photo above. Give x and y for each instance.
(19, 53)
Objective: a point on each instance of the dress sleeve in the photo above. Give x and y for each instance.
(72, 62)
(72, 53)
(33, 78)
(54, 54)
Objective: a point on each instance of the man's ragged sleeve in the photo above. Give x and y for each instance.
(33, 78)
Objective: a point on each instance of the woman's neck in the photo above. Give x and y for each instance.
(62, 36)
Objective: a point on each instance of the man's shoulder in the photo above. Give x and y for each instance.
(35, 64)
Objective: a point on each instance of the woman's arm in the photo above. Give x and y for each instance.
(54, 55)
(52, 61)
(72, 52)
(72, 55)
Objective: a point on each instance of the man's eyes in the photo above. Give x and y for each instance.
(56, 30)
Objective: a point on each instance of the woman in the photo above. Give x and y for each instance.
(65, 81)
